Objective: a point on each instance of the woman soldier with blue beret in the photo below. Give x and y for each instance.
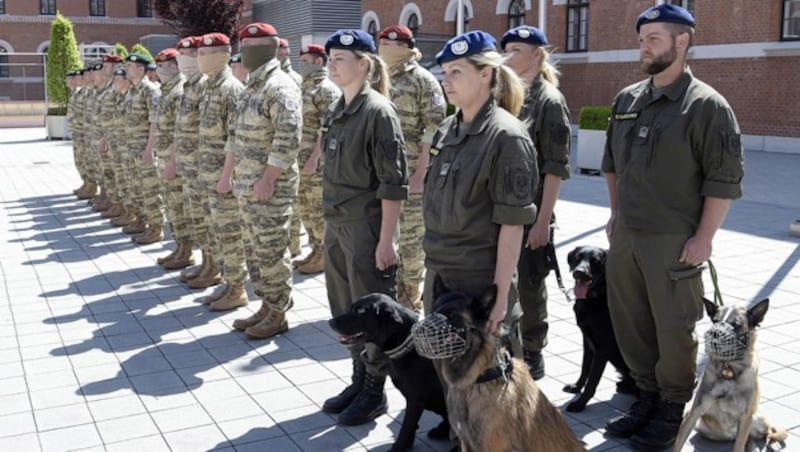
(545, 113)
(480, 186)
(364, 183)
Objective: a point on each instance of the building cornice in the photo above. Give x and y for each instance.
(82, 20)
(702, 52)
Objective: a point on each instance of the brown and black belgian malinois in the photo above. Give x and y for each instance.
(492, 402)
(727, 399)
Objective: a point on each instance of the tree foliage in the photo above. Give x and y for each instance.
(62, 57)
(119, 49)
(138, 48)
(198, 17)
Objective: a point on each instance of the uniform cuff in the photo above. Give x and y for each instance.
(392, 192)
(608, 166)
(556, 169)
(722, 190)
(513, 214)
(278, 163)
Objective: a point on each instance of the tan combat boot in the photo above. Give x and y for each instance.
(192, 274)
(182, 260)
(235, 298)
(243, 324)
(314, 266)
(298, 262)
(90, 192)
(114, 211)
(127, 217)
(136, 228)
(153, 234)
(212, 276)
(273, 323)
(101, 202)
(218, 294)
(79, 189)
(170, 256)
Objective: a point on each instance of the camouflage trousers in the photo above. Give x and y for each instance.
(309, 207)
(266, 244)
(227, 228)
(107, 179)
(173, 204)
(132, 196)
(150, 188)
(120, 188)
(412, 258)
(92, 159)
(78, 155)
(197, 209)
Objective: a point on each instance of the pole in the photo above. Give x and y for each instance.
(460, 17)
(543, 16)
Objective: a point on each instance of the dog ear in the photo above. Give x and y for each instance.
(439, 288)
(601, 257)
(711, 308)
(756, 313)
(484, 304)
(572, 257)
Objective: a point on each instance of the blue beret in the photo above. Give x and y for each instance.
(525, 34)
(466, 44)
(351, 40)
(120, 72)
(665, 13)
(139, 58)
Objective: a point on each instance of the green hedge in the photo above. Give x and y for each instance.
(594, 117)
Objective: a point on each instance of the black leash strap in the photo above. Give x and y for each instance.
(551, 252)
(717, 294)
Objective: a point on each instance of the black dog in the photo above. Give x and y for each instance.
(378, 319)
(587, 265)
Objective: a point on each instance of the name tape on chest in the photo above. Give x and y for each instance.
(626, 116)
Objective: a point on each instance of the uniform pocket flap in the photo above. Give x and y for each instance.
(687, 273)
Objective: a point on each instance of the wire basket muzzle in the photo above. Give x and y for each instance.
(436, 338)
(724, 344)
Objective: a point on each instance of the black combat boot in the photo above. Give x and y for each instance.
(661, 432)
(535, 362)
(642, 411)
(338, 403)
(370, 403)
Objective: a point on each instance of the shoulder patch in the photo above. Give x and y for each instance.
(290, 103)
(560, 134)
(438, 99)
(519, 182)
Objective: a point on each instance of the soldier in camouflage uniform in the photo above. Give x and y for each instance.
(217, 116)
(171, 93)
(83, 121)
(263, 151)
(103, 79)
(120, 157)
(75, 99)
(112, 124)
(140, 105)
(238, 69)
(284, 52)
(182, 165)
(318, 95)
(420, 102)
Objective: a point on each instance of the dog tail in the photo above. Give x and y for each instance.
(765, 429)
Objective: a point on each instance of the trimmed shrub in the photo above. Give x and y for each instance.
(62, 57)
(594, 117)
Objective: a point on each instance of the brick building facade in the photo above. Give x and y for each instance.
(749, 51)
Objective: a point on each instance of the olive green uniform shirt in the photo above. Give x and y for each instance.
(365, 159)
(670, 151)
(481, 175)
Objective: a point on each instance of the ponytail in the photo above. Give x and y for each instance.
(548, 70)
(378, 72)
(507, 88)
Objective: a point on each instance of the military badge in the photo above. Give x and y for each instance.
(652, 14)
(524, 33)
(346, 40)
(459, 47)
(252, 30)
(392, 36)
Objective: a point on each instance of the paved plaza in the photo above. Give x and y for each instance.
(101, 350)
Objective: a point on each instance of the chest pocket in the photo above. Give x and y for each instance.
(441, 196)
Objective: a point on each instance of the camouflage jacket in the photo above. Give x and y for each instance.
(171, 93)
(319, 93)
(141, 102)
(217, 117)
(187, 119)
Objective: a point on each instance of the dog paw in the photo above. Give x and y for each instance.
(576, 406)
(441, 431)
(573, 389)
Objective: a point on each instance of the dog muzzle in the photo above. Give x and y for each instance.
(724, 344)
(436, 338)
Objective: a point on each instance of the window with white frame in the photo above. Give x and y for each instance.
(144, 8)
(372, 29)
(516, 13)
(413, 23)
(790, 29)
(2, 6)
(3, 62)
(577, 25)
(97, 7)
(47, 7)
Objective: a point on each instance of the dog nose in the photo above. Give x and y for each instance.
(580, 274)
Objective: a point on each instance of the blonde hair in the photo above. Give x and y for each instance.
(378, 72)
(507, 87)
(547, 68)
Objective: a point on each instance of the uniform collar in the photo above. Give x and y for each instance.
(167, 86)
(458, 131)
(406, 66)
(262, 73)
(341, 109)
(218, 79)
(672, 91)
(316, 76)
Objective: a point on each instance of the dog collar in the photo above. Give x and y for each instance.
(502, 370)
(402, 349)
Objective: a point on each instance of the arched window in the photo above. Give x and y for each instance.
(3, 62)
(372, 29)
(516, 14)
(413, 23)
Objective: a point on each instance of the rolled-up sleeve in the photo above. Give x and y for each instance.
(389, 156)
(554, 139)
(723, 154)
(513, 183)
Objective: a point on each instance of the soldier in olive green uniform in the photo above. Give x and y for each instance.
(319, 93)
(546, 114)
(181, 168)
(673, 162)
(284, 52)
(482, 180)
(217, 116)
(420, 102)
(263, 152)
(364, 183)
(171, 93)
(140, 105)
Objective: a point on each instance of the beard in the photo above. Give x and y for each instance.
(661, 62)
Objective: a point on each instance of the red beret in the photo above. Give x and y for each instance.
(213, 40)
(315, 49)
(112, 59)
(257, 30)
(396, 33)
(189, 42)
(166, 55)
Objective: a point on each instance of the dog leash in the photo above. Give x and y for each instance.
(717, 293)
(551, 251)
